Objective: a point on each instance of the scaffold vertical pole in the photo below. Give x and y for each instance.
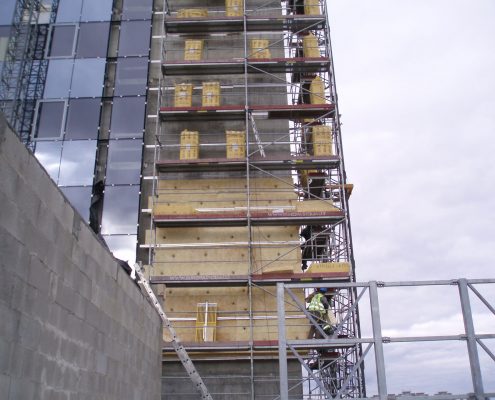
(378, 341)
(282, 343)
(472, 348)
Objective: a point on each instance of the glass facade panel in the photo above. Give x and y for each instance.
(6, 11)
(134, 9)
(127, 117)
(123, 247)
(69, 10)
(120, 210)
(134, 38)
(80, 198)
(58, 79)
(50, 120)
(78, 163)
(131, 76)
(62, 41)
(4, 41)
(97, 10)
(48, 154)
(83, 118)
(93, 40)
(124, 161)
(88, 77)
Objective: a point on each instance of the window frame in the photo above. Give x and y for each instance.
(50, 38)
(36, 121)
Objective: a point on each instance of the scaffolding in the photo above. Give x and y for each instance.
(322, 385)
(25, 68)
(249, 185)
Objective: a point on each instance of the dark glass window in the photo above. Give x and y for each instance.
(123, 247)
(97, 10)
(62, 41)
(50, 120)
(6, 11)
(80, 198)
(127, 117)
(4, 41)
(78, 163)
(87, 80)
(48, 154)
(83, 118)
(92, 40)
(124, 161)
(131, 76)
(69, 10)
(134, 38)
(120, 210)
(134, 9)
(58, 79)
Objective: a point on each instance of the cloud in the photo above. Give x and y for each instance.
(417, 97)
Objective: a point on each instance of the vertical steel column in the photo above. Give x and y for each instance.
(377, 339)
(282, 343)
(474, 360)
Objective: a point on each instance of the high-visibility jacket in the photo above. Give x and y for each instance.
(316, 305)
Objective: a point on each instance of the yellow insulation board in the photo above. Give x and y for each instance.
(327, 267)
(233, 303)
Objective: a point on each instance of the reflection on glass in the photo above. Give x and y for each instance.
(78, 163)
(131, 76)
(88, 77)
(58, 79)
(50, 119)
(62, 41)
(92, 40)
(68, 10)
(48, 154)
(134, 9)
(97, 10)
(123, 247)
(80, 198)
(134, 38)
(120, 210)
(124, 161)
(127, 117)
(6, 11)
(4, 41)
(83, 119)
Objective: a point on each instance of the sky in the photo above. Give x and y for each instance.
(416, 87)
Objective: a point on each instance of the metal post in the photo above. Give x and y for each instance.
(282, 343)
(378, 341)
(474, 360)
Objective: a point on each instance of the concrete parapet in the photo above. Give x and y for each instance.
(73, 324)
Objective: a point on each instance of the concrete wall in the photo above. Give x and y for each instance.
(72, 323)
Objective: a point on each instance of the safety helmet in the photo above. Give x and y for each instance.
(323, 290)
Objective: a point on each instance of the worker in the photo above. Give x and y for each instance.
(319, 307)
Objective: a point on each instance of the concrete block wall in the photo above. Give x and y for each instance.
(73, 325)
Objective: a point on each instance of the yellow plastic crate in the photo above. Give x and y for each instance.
(233, 8)
(189, 145)
(211, 94)
(236, 144)
(193, 50)
(206, 322)
(317, 91)
(322, 140)
(259, 48)
(310, 46)
(312, 7)
(192, 13)
(183, 95)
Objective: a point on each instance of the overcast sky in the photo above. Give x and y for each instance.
(416, 85)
